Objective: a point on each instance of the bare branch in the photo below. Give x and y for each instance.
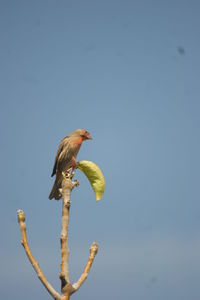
(67, 288)
(67, 186)
(41, 276)
(83, 277)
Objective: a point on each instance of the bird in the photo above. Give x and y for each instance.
(66, 158)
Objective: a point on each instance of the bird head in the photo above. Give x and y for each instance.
(84, 134)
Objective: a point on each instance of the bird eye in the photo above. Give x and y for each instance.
(86, 131)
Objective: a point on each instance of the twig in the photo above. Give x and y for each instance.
(41, 276)
(83, 277)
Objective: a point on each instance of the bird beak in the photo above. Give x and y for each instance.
(89, 136)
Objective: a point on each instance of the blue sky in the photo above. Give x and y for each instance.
(127, 71)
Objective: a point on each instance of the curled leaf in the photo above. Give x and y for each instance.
(95, 176)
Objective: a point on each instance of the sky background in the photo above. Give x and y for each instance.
(127, 71)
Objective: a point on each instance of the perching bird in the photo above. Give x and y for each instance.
(66, 158)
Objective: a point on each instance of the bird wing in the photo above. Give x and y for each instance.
(62, 153)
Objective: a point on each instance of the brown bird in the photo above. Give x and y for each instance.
(66, 158)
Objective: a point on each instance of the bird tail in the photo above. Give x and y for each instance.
(55, 193)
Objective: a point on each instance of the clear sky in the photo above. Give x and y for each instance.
(127, 71)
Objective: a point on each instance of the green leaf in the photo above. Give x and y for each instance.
(95, 176)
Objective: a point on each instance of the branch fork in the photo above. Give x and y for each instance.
(67, 289)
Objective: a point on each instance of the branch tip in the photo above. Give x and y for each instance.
(21, 216)
(94, 246)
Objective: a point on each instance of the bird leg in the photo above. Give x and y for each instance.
(73, 164)
(67, 173)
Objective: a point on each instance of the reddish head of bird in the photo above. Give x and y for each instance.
(82, 133)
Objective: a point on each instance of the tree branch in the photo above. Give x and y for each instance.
(83, 277)
(41, 276)
(67, 288)
(66, 192)
(67, 187)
